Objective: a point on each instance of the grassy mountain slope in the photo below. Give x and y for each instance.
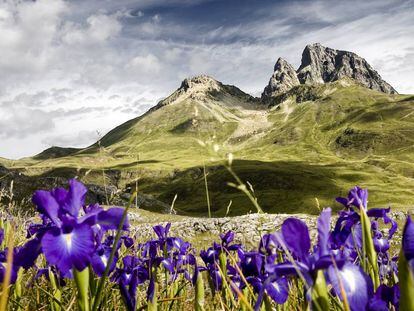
(313, 142)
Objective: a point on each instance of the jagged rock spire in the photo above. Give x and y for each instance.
(283, 79)
(322, 65)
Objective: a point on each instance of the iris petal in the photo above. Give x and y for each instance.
(47, 205)
(408, 239)
(296, 236)
(111, 218)
(278, 290)
(69, 250)
(324, 221)
(355, 283)
(75, 197)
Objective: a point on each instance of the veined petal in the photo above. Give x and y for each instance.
(99, 263)
(296, 236)
(354, 282)
(75, 197)
(324, 227)
(47, 205)
(408, 239)
(111, 218)
(69, 250)
(278, 290)
(28, 253)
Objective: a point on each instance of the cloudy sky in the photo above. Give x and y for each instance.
(72, 70)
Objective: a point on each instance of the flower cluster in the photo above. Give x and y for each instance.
(351, 263)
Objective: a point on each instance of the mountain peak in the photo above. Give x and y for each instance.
(320, 65)
(283, 79)
(199, 82)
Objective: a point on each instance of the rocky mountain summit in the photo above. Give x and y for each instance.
(283, 79)
(322, 65)
(202, 88)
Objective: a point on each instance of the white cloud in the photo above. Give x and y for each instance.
(98, 28)
(146, 64)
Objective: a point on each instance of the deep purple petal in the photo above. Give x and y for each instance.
(381, 245)
(343, 201)
(408, 239)
(110, 219)
(69, 250)
(278, 290)
(60, 195)
(169, 265)
(358, 197)
(28, 253)
(99, 263)
(47, 205)
(296, 237)
(75, 197)
(324, 227)
(161, 231)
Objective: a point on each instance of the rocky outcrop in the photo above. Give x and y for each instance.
(323, 65)
(248, 228)
(203, 88)
(283, 79)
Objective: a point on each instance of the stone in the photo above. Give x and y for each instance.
(283, 79)
(322, 65)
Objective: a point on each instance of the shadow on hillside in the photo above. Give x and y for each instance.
(280, 186)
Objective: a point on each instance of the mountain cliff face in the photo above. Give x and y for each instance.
(322, 65)
(283, 79)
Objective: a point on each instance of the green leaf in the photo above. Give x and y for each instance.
(320, 298)
(406, 281)
(368, 250)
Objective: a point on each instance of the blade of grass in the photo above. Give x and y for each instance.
(7, 276)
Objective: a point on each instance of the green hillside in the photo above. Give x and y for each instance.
(311, 142)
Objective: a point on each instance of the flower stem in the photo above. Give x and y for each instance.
(82, 283)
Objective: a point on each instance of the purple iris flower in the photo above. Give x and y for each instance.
(385, 298)
(252, 265)
(68, 240)
(269, 244)
(132, 274)
(347, 233)
(357, 197)
(23, 257)
(211, 257)
(100, 257)
(179, 258)
(408, 242)
(295, 237)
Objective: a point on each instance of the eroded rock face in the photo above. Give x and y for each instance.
(283, 79)
(323, 65)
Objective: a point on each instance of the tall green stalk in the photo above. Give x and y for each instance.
(82, 283)
(207, 194)
(368, 250)
(199, 293)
